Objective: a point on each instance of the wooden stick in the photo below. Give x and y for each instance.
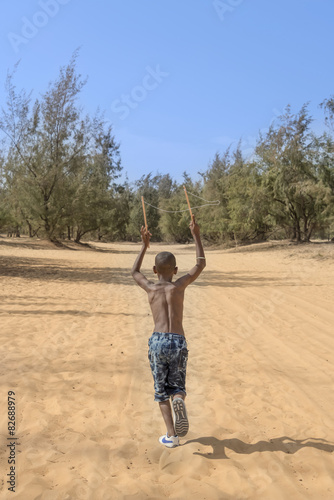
(185, 192)
(144, 212)
(143, 204)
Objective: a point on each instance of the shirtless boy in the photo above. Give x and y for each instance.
(168, 352)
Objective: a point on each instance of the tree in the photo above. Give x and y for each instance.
(242, 213)
(59, 163)
(120, 213)
(328, 106)
(247, 202)
(323, 157)
(216, 219)
(175, 219)
(290, 177)
(89, 189)
(153, 189)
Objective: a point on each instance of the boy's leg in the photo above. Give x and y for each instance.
(158, 348)
(167, 416)
(181, 423)
(179, 395)
(176, 382)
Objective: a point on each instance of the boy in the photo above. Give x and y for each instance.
(168, 352)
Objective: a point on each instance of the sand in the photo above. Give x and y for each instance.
(73, 336)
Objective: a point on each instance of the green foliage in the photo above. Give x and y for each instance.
(59, 172)
(175, 219)
(216, 219)
(153, 189)
(242, 213)
(290, 176)
(328, 107)
(247, 204)
(59, 165)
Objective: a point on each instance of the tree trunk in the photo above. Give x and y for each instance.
(30, 228)
(45, 218)
(294, 232)
(78, 237)
(306, 229)
(298, 232)
(69, 233)
(309, 232)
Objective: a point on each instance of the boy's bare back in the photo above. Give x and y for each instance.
(166, 301)
(166, 297)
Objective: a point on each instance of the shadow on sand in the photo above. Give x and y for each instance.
(240, 279)
(51, 270)
(43, 244)
(45, 269)
(284, 444)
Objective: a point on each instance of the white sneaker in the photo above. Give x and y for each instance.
(170, 442)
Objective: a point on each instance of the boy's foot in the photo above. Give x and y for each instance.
(170, 442)
(181, 423)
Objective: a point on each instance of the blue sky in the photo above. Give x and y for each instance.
(179, 80)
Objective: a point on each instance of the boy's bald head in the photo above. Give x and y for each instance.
(165, 262)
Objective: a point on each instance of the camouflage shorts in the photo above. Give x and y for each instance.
(168, 355)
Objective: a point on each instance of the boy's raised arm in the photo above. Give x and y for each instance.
(135, 271)
(200, 257)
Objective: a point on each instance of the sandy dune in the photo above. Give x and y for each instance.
(73, 336)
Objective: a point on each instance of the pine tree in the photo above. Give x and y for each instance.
(59, 163)
(290, 177)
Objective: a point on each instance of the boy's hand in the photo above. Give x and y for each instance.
(145, 236)
(194, 227)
